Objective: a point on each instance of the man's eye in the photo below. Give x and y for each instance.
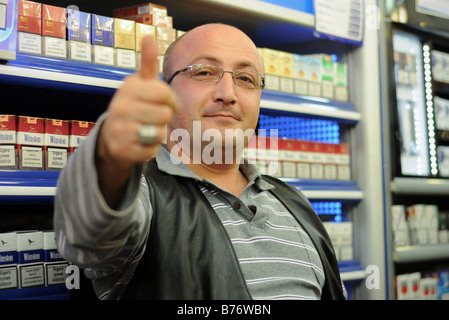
(246, 78)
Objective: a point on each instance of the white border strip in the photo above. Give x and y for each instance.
(333, 194)
(352, 275)
(27, 191)
(60, 77)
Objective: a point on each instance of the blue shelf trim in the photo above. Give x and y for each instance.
(28, 178)
(296, 99)
(69, 66)
(322, 185)
(29, 174)
(350, 266)
(63, 66)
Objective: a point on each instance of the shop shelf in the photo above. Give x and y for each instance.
(27, 186)
(421, 253)
(351, 271)
(40, 186)
(330, 190)
(343, 112)
(420, 186)
(45, 72)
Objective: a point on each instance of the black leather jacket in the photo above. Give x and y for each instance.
(189, 254)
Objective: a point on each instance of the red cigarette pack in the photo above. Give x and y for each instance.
(54, 21)
(30, 17)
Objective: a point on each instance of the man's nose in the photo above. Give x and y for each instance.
(225, 89)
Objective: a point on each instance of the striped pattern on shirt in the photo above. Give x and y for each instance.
(277, 257)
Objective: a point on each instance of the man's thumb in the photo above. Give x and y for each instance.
(149, 64)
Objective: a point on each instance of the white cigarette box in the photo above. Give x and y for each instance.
(54, 264)
(399, 226)
(8, 261)
(30, 259)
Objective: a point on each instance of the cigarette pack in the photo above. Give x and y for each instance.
(317, 161)
(271, 63)
(141, 31)
(30, 142)
(326, 64)
(428, 287)
(300, 74)
(286, 72)
(330, 161)
(164, 36)
(79, 130)
(343, 160)
(146, 8)
(441, 113)
(262, 151)
(443, 161)
(443, 227)
(7, 142)
(8, 261)
(304, 159)
(30, 259)
(124, 34)
(417, 223)
(54, 265)
(399, 226)
(440, 66)
(29, 27)
(313, 77)
(345, 244)
(30, 19)
(341, 81)
(125, 43)
(431, 223)
(54, 20)
(78, 34)
(56, 143)
(287, 157)
(103, 40)
(407, 286)
(153, 19)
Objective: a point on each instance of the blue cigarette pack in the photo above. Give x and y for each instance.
(102, 30)
(78, 25)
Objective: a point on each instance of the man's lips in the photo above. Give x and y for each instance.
(220, 115)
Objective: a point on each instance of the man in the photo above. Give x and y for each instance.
(190, 229)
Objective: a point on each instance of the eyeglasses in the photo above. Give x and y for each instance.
(213, 74)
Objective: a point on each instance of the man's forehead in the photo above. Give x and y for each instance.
(218, 47)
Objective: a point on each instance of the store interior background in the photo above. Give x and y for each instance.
(370, 122)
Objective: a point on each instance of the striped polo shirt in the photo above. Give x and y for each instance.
(277, 258)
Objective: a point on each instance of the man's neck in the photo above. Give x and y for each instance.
(225, 175)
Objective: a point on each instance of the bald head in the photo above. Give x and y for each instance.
(214, 34)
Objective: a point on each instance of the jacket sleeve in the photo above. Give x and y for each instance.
(88, 232)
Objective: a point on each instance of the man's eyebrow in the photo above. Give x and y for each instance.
(216, 61)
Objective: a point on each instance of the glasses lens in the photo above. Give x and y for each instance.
(206, 73)
(247, 79)
(242, 78)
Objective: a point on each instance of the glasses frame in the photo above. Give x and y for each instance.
(261, 84)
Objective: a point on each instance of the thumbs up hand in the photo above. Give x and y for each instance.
(143, 99)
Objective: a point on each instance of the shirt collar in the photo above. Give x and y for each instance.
(164, 163)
